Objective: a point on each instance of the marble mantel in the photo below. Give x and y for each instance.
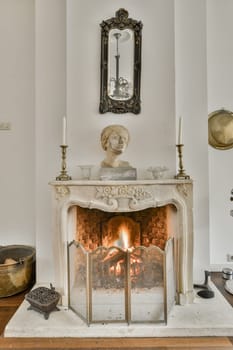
(124, 196)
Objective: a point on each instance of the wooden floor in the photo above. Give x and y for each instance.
(9, 305)
(222, 343)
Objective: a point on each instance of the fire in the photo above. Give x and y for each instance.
(116, 269)
(135, 266)
(123, 238)
(117, 259)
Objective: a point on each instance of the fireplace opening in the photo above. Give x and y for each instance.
(121, 231)
(151, 226)
(121, 265)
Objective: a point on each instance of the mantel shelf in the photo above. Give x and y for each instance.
(120, 183)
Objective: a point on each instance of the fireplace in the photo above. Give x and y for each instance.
(125, 248)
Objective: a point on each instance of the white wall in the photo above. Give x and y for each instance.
(50, 88)
(173, 83)
(220, 87)
(17, 148)
(191, 104)
(156, 144)
(153, 131)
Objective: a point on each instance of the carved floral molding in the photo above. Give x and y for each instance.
(62, 191)
(125, 191)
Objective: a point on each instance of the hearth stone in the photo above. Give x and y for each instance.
(204, 317)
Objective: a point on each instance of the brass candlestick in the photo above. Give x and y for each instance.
(63, 175)
(181, 174)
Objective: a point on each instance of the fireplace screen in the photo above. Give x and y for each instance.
(121, 284)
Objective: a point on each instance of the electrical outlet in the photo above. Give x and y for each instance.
(230, 257)
(5, 126)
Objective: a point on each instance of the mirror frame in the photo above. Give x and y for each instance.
(107, 104)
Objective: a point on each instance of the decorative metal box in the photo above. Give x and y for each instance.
(43, 300)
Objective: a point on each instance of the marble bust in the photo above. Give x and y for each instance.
(114, 140)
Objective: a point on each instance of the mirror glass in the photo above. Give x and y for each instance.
(120, 67)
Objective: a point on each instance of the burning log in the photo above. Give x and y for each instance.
(114, 257)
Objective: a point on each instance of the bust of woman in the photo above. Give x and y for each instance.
(114, 140)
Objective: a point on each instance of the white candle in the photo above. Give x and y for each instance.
(64, 127)
(180, 131)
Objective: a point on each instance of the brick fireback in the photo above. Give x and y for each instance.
(152, 223)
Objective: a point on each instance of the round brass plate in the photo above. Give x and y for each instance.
(221, 129)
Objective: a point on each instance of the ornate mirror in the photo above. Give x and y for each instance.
(120, 64)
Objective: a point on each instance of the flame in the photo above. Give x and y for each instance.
(123, 240)
(135, 266)
(118, 269)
